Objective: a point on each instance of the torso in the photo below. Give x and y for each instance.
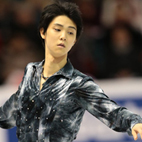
(56, 105)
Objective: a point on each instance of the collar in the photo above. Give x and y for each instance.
(66, 71)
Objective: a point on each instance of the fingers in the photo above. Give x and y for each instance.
(140, 132)
(137, 129)
(134, 133)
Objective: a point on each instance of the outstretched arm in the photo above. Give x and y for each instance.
(93, 99)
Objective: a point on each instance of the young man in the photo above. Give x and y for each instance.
(53, 96)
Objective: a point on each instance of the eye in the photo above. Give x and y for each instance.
(56, 29)
(71, 33)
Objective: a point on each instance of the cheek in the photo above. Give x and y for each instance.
(51, 39)
(72, 42)
(72, 39)
(51, 35)
(70, 46)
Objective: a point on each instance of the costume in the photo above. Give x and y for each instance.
(54, 114)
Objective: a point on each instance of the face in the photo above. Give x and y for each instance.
(60, 36)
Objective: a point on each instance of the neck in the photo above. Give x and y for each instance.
(52, 65)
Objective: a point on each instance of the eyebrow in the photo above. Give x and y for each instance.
(63, 26)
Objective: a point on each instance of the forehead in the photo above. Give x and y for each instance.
(64, 21)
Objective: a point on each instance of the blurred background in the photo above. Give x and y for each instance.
(109, 50)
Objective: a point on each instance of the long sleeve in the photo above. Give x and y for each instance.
(8, 112)
(93, 99)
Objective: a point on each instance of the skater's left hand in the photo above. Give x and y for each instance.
(137, 129)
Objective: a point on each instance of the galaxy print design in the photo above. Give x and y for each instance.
(54, 114)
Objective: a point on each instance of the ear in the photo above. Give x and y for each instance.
(42, 34)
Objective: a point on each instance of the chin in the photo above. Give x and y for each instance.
(60, 56)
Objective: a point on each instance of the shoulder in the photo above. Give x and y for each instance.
(32, 64)
(78, 74)
(81, 78)
(86, 82)
(30, 67)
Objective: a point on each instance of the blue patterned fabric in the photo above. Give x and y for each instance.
(54, 113)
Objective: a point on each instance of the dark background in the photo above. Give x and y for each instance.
(110, 46)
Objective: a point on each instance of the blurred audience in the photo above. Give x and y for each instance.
(123, 38)
(110, 46)
(120, 11)
(16, 54)
(122, 52)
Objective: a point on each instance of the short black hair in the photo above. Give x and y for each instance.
(58, 8)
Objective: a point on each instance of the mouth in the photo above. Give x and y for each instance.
(61, 45)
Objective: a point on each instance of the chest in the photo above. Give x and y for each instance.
(38, 92)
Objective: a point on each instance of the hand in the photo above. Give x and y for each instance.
(137, 129)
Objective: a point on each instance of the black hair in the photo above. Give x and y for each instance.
(58, 8)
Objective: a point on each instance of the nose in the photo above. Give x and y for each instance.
(63, 36)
